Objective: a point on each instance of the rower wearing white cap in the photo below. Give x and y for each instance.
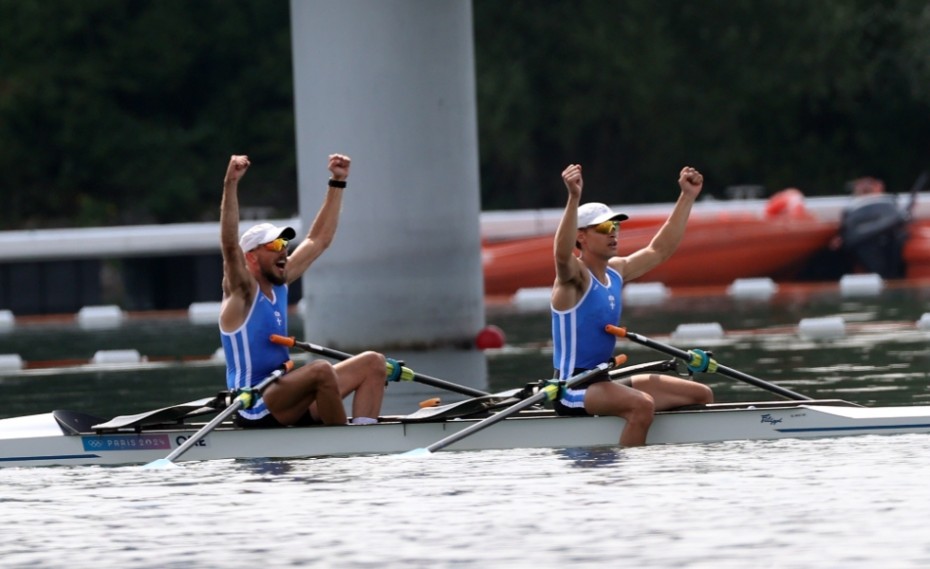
(257, 270)
(587, 295)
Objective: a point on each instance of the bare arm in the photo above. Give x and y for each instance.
(669, 236)
(238, 283)
(569, 277)
(323, 229)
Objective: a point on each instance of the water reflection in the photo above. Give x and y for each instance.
(592, 457)
(266, 467)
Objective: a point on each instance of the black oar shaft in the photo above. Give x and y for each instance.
(721, 369)
(207, 429)
(455, 437)
(538, 397)
(232, 408)
(752, 380)
(418, 377)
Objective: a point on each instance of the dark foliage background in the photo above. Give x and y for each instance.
(125, 111)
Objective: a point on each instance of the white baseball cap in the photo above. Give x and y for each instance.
(264, 233)
(594, 213)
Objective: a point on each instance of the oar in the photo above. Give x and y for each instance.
(242, 401)
(550, 391)
(698, 360)
(406, 374)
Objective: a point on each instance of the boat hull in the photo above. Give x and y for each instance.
(718, 248)
(714, 251)
(38, 440)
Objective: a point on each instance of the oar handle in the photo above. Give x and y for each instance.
(406, 373)
(670, 350)
(292, 342)
(709, 364)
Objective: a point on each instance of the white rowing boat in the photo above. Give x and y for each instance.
(70, 438)
(513, 419)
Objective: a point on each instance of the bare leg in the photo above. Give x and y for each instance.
(313, 384)
(670, 392)
(637, 407)
(363, 375)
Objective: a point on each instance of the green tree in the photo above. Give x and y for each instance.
(125, 111)
(775, 92)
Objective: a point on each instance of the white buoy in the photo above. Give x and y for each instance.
(760, 288)
(824, 328)
(698, 331)
(117, 357)
(536, 298)
(7, 320)
(924, 322)
(644, 293)
(96, 317)
(861, 285)
(204, 312)
(11, 362)
(219, 355)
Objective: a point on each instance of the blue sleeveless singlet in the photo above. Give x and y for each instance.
(250, 355)
(578, 337)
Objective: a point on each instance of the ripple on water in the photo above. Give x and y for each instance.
(858, 502)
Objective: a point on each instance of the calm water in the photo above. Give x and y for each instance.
(856, 502)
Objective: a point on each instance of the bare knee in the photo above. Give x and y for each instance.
(375, 365)
(705, 395)
(642, 411)
(290, 397)
(320, 375)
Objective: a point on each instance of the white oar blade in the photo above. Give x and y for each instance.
(416, 452)
(160, 464)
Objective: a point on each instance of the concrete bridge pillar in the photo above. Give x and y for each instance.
(391, 84)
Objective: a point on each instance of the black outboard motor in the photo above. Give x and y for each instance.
(874, 230)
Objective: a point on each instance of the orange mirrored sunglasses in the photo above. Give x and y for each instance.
(606, 227)
(276, 245)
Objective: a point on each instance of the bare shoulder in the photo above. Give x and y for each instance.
(569, 288)
(619, 264)
(235, 306)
